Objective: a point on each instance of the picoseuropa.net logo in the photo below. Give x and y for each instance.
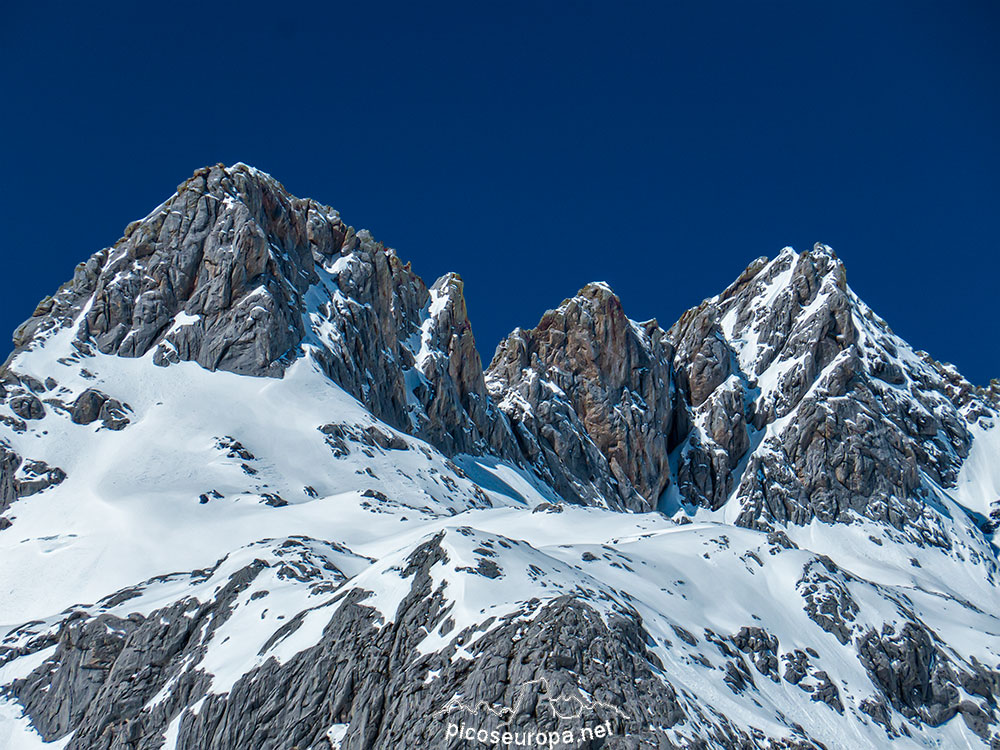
(551, 738)
(489, 725)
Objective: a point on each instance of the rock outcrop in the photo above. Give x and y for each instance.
(115, 682)
(9, 463)
(592, 400)
(23, 478)
(405, 351)
(236, 274)
(848, 419)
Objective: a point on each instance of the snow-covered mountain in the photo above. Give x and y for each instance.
(258, 491)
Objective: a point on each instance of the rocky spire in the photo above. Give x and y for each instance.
(591, 396)
(457, 413)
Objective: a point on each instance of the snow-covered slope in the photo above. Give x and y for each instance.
(257, 491)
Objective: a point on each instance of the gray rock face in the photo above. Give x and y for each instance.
(406, 351)
(453, 381)
(915, 678)
(23, 478)
(234, 273)
(789, 354)
(92, 405)
(36, 476)
(87, 407)
(828, 600)
(27, 406)
(715, 446)
(63, 308)
(217, 276)
(563, 668)
(918, 679)
(9, 463)
(105, 669)
(592, 400)
(370, 303)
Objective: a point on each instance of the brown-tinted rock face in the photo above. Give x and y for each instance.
(592, 400)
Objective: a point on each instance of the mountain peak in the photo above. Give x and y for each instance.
(244, 387)
(597, 290)
(572, 387)
(236, 274)
(786, 348)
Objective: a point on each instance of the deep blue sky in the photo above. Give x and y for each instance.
(534, 147)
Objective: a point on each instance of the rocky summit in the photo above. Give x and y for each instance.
(257, 490)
